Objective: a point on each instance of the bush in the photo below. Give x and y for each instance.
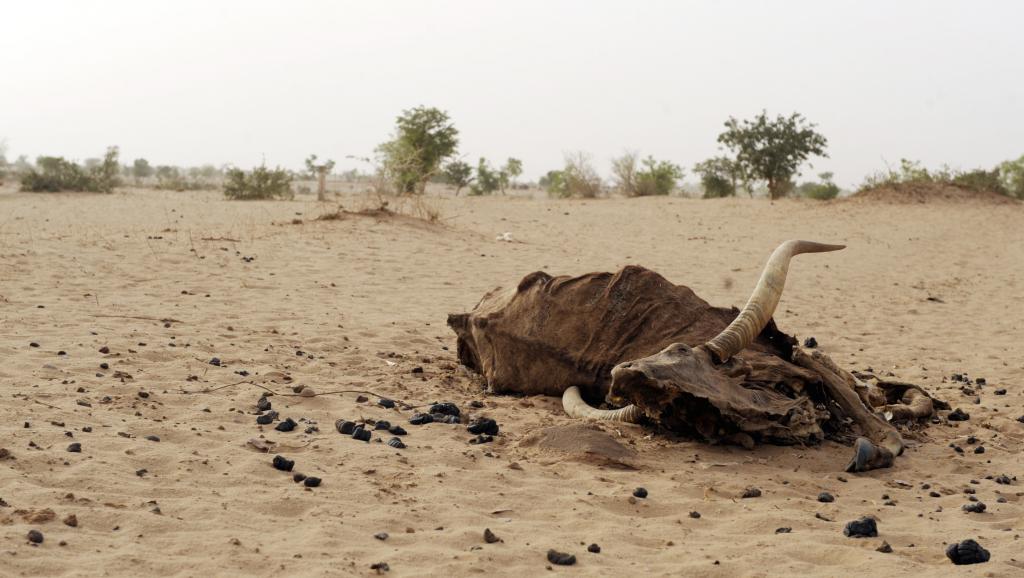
(458, 174)
(822, 191)
(55, 174)
(657, 178)
(174, 179)
(260, 183)
(1011, 173)
(719, 176)
(912, 172)
(424, 139)
(577, 179)
(487, 179)
(981, 180)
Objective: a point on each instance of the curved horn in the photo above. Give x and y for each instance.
(761, 305)
(575, 407)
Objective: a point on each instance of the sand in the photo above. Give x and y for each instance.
(159, 278)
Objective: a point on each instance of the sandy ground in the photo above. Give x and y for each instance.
(364, 300)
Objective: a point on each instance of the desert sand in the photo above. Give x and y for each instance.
(167, 281)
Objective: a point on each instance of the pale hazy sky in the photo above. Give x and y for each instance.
(190, 82)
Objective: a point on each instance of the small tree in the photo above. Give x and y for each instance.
(624, 173)
(718, 176)
(822, 191)
(260, 183)
(657, 177)
(424, 138)
(141, 169)
(459, 174)
(507, 174)
(319, 171)
(577, 179)
(487, 179)
(773, 150)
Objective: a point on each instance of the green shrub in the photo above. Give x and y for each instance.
(981, 180)
(487, 179)
(657, 178)
(55, 174)
(458, 174)
(577, 179)
(424, 139)
(1011, 173)
(260, 183)
(174, 179)
(912, 172)
(822, 191)
(719, 177)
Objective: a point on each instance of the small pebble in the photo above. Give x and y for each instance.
(967, 552)
(153, 438)
(267, 418)
(362, 434)
(958, 415)
(286, 425)
(695, 515)
(561, 558)
(446, 408)
(974, 507)
(71, 520)
(826, 497)
(381, 536)
(783, 530)
(751, 492)
(810, 343)
(885, 548)
(396, 443)
(1000, 391)
(311, 482)
(397, 430)
(35, 536)
(215, 361)
(1003, 479)
(104, 349)
(640, 493)
(482, 439)
(345, 427)
(298, 477)
(385, 403)
(594, 549)
(380, 567)
(862, 528)
(484, 425)
(284, 464)
(263, 404)
(382, 424)
(75, 448)
(421, 419)
(979, 450)
(489, 536)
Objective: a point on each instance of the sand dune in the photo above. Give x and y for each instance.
(167, 281)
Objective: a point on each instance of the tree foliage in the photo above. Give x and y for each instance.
(458, 174)
(508, 173)
(487, 179)
(824, 190)
(576, 179)
(314, 168)
(424, 138)
(141, 169)
(1011, 173)
(55, 174)
(772, 150)
(260, 183)
(720, 177)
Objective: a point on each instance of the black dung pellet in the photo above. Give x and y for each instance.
(862, 528)
(421, 419)
(1000, 391)
(397, 430)
(1003, 479)
(75, 448)
(826, 497)
(382, 424)
(561, 558)
(979, 450)
(215, 361)
(594, 549)
(284, 464)
(298, 477)
(104, 365)
(35, 536)
(974, 507)
(362, 434)
(640, 493)
(311, 482)
(484, 425)
(345, 427)
(386, 403)
(104, 349)
(967, 552)
(267, 418)
(287, 425)
(263, 404)
(396, 443)
(446, 408)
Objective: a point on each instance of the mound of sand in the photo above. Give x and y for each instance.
(903, 193)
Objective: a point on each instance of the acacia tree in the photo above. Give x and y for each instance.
(141, 169)
(459, 174)
(320, 172)
(424, 138)
(773, 150)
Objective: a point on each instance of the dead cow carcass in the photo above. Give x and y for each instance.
(660, 353)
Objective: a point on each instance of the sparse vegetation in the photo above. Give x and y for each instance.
(56, 174)
(508, 173)
(1001, 179)
(458, 174)
(424, 139)
(260, 183)
(773, 150)
(824, 190)
(170, 178)
(319, 171)
(487, 179)
(577, 179)
(1011, 174)
(720, 177)
(653, 178)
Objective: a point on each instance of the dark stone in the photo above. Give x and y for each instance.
(445, 418)
(980, 381)
(397, 430)
(862, 528)
(974, 507)
(810, 343)
(695, 515)
(153, 438)
(476, 404)
(345, 427)
(640, 493)
(396, 443)
(885, 548)
(380, 567)
(417, 369)
(381, 536)
(267, 418)
(362, 399)
(971, 440)
(287, 425)
(87, 429)
(284, 464)
(75, 448)
(967, 552)
(385, 403)
(481, 439)
(35, 536)
(1000, 391)
(311, 482)
(382, 424)
(783, 530)
(934, 494)
(561, 558)
(484, 425)
(958, 415)
(421, 419)
(489, 536)
(104, 365)
(103, 349)
(360, 433)
(33, 344)
(826, 497)
(594, 549)
(215, 361)
(446, 408)
(263, 404)
(979, 450)
(297, 477)
(751, 492)
(1003, 479)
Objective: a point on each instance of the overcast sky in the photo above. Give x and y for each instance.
(193, 82)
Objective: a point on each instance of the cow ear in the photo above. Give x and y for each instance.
(459, 322)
